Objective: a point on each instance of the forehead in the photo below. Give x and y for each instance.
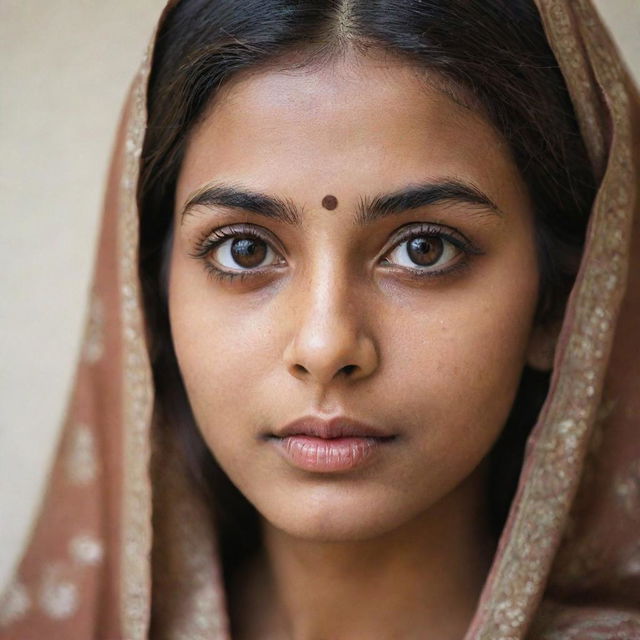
(362, 123)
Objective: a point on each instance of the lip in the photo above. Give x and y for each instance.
(325, 446)
(338, 427)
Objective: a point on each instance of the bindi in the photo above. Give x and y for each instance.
(330, 202)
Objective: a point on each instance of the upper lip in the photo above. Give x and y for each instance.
(338, 427)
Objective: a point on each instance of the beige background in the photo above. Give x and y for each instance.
(66, 67)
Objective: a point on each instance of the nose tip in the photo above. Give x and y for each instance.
(331, 332)
(324, 356)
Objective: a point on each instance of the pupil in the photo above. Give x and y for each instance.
(425, 250)
(248, 252)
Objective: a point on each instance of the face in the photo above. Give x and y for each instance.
(349, 242)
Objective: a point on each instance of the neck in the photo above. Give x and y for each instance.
(425, 574)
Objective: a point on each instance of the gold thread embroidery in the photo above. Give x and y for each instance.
(138, 402)
(563, 434)
(136, 387)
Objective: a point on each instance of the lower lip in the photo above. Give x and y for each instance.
(325, 455)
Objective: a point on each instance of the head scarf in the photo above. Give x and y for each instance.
(568, 561)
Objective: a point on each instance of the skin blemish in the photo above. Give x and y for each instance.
(330, 202)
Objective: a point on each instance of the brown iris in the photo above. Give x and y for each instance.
(248, 252)
(425, 250)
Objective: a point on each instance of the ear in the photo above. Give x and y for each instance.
(542, 346)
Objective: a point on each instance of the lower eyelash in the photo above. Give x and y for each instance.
(221, 275)
(422, 274)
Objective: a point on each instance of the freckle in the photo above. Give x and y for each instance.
(330, 202)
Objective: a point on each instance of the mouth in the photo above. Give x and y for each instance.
(337, 445)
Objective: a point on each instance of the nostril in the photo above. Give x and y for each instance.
(301, 371)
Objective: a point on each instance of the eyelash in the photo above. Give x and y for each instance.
(208, 242)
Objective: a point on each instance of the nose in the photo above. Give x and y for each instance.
(330, 337)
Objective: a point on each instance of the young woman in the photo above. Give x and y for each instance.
(333, 282)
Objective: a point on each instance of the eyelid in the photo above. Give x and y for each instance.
(451, 234)
(430, 228)
(208, 241)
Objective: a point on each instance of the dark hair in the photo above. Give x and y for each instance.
(494, 51)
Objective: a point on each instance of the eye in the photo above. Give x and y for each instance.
(235, 251)
(243, 253)
(431, 250)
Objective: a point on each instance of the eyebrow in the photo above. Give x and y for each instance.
(368, 209)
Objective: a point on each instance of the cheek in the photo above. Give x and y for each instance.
(216, 349)
(458, 358)
(450, 362)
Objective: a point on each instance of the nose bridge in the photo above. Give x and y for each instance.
(325, 310)
(327, 291)
(329, 336)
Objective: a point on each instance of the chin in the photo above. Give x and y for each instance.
(326, 517)
(335, 530)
